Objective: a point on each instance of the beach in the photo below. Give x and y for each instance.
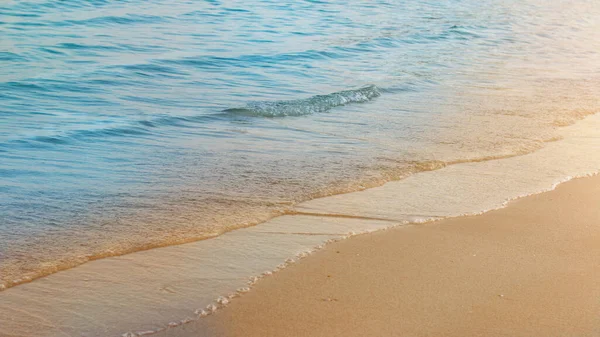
(290, 168)
(530, 269)
(129, 126)
(467, 244)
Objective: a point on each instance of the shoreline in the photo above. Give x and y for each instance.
(529, 269)
(423, 167)
(157, 291)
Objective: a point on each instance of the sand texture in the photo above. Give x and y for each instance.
(443, 278)
(531, 269)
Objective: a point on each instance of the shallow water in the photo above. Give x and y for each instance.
(137, 124)
(168, 291)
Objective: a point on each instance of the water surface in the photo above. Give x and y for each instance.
(136, 124)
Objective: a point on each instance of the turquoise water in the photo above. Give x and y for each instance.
(136, 124)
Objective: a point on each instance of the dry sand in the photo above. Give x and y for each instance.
(531, 269)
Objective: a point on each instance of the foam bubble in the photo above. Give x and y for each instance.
(223, 300)
(211, 308)
(201, 312)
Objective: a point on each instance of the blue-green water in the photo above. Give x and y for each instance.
(127, 125)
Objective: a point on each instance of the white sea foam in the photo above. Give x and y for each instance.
(314, 104)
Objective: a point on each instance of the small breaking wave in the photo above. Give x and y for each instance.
(307, 106)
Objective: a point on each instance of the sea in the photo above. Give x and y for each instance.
(131, 125)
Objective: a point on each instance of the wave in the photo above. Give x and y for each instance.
(143, 128)
(147, 127)
(307, 106)
(136, 129)
(102, 21)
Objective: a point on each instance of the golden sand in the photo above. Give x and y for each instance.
(525, 270)
(531, 269)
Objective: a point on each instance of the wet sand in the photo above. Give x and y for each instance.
(530, 269)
